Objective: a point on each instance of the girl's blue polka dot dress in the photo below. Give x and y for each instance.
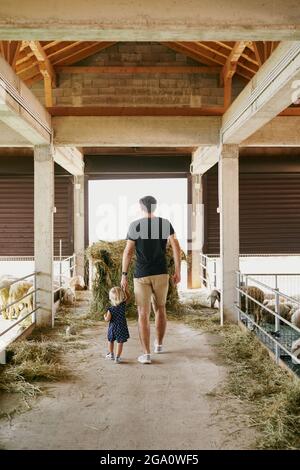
(118, 329)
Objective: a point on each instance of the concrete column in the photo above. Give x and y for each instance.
(79, 223)
(229, 228)
(197, 229)
(43, 231)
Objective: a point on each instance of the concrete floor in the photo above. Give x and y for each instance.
(165, 405)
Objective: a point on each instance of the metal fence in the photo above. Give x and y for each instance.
(18, 309)
(209, 272)
(66, 270)
(270, 319)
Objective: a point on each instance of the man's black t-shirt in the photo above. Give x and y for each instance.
(150, 235)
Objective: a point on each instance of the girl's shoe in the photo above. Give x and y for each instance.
(110, 356)
(158, 349)
(145, 359)
(118, 360)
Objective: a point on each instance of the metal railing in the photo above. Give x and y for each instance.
(65, 273)
(21, 316)
(278, 334)
(208, 271)
(289, 283)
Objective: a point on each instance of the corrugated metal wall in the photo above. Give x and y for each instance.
(269, 213)
(17, 213)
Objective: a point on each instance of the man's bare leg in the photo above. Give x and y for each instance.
(160, 323)
(144, 328)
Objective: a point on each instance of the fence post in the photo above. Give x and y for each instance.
(238, 302)
(60, 268)
(277, 320)
(215, 273)
(246, 297)
(205, 271)
(33, 317)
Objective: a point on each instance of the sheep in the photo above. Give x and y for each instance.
(16, 292)
(296, 318)
(214, 295)
(77, 283)
(5, 283)
(68, 297)
(253, 307)
(296, 351)
(28, 301)
(284, 311)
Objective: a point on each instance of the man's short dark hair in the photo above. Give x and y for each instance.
(149, 203)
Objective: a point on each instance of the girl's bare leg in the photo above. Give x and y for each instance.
(119, 349)
(111, 346)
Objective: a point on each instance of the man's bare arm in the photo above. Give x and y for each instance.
(127, 256)
(177, 257)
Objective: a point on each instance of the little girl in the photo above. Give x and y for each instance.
(117, 329)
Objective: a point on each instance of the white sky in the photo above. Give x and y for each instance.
(113, 204)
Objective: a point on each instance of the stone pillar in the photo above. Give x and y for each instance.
(79, 224)
(197, 229)
(43, 232)
(229, 228)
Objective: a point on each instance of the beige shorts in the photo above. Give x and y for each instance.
(151, 289)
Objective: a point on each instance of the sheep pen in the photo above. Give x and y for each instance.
(271, 395)
(107, 260)
(39, 359)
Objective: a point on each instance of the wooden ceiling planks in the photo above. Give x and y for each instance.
(64, 53)
(34, 60)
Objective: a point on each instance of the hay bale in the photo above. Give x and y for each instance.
(107, 260)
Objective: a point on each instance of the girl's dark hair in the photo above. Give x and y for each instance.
(149, 203)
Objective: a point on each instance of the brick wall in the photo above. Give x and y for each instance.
(193, 90)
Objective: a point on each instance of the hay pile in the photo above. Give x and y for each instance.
(107, 259)
(31, 361)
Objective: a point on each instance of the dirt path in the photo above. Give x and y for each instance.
(166, 405)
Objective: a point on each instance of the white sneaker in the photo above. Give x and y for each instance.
(110, 356)
(158, 348)
(145, 359)
(118, 360)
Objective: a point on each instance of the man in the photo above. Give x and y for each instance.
(148, 236)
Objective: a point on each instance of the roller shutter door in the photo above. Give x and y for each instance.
(17, 215)
(269, 213)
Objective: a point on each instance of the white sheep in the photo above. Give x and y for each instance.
(16, 292)
(296, 318)
(68, 297)
(5, 283)
(214, 296)
(284, 311)
(296, 351)
(77, 283)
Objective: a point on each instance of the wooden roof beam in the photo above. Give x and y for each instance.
(229, 70)
(45, 65)
(46, 70)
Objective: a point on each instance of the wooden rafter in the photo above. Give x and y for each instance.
(205, 57)
(10, 51)
(263, 50)
(69, 54)
(46, 70)
(229, 70)
(135, 111)
(138, 69)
